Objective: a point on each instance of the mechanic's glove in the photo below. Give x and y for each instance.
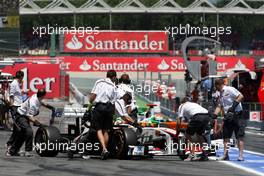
(139, 128)
(90, 107)
(51, 121)
(53, 112)
(229, 116)
(37, 123)
(233, 107)
(49, 107)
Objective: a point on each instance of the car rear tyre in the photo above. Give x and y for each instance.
(47, 140)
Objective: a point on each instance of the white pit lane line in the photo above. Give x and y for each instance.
(253, 163)
(242, 168)
(255, 133)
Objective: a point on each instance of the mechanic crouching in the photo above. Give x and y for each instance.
(198, 118)
(230, 103)
(122, 111)
(123, 87)
(25, 114)
(103, 95)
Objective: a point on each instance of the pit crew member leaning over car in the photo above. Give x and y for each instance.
(25, 114)
(121, 110)
(122, 88)
(103, 95)
(230, 102)
(15, 98)
(198, 119)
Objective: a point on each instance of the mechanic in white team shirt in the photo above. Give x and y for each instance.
(25, 114)
(103, 96)
(122, 88)
(198, 118)
(234, 121)
(121, 106)
(15, 98)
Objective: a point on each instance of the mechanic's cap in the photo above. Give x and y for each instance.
(41, 93)
(125, 79)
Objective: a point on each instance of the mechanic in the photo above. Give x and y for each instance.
(230, 103)
(122, 88)
(121, 110)
(198, 118)
(25, 114)
(103, 95)
(15, 98)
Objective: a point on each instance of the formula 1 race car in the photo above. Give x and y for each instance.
(125, 141)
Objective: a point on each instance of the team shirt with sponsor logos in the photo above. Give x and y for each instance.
(30, 107)
(121, 108)
(16, 92)
(105, 91)
(227, 96)
(122, 89)
(189, 109)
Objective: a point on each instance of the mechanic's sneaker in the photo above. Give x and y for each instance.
(190, 157)
(86, 157)
(7, 147)
(70, 154)
(8, 154)
(224, 158)
(240, 159)
(196, 158)
(104, 155)
(28, 154)
(21, 153)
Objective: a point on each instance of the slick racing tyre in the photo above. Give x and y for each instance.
(122, 138)
(47, 141)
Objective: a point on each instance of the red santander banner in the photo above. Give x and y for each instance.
(38, 76)
(116, 42)
(134, 64)
(261, 95)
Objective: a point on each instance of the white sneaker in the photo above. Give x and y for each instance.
(86, 157)
(21, 153)
(8, 154)
(28, 154)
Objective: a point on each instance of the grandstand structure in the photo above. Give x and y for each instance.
(141, 6)
(9, 28)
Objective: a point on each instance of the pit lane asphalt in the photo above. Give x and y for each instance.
(61, 165)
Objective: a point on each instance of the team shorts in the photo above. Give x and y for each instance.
(237, 124)
(102, 116)
(198, 123)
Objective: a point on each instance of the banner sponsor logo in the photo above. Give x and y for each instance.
(134, 64)
(37, 76)
(117, 42)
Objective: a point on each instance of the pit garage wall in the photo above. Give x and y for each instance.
(48, 76)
